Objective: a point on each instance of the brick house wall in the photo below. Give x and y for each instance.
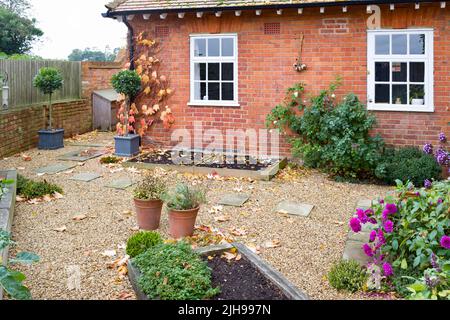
(335, 43)
(19, 127)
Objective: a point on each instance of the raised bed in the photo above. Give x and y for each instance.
(7, 204)
(247, 279)
(199, 162)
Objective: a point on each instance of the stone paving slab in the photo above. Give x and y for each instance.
(364, 204)
(55, 168)
(294, 208)
(86, 177)
(234, 200)
(120, 184)
(76, 156)
(353, 251)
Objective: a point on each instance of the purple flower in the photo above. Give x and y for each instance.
(442, 137)
(428, 148)
(434, 263)
(373, 220)
(445, 242)
(373, 236)
(440, 201)
(355, 225)
(381, 201)
(389, 226)
(362, 216)
(392, 208)
(368, 250)
(381, 238)
(428, 184)
(387, 270)
(369, 212)
(442, 157)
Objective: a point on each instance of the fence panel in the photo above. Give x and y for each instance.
(22, 72)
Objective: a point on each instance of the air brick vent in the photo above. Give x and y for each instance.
(272, 28)
(161, 31)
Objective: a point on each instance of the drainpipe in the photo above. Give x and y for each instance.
(130, 41)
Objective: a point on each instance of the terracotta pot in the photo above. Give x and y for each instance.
(148, 213)
(182, 223)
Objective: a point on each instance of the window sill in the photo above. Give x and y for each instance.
(400, 108)
(214, 104)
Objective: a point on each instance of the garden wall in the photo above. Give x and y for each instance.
(19, 126)
(335, 43)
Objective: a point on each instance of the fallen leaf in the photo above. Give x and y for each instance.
(125, 295)
(127, 213)
(238, 257)
(123, 270)
(47, 198)
(272, 244)
(80, 217)
(229, 256)
(238, 232)
(135, 228)
(109, 253)
(60, 229)
(254, 248)
(238, 189)
(20, 199)
(339, 223)
(222, 219)
(21, 168)
(57, 195)
(26, 158)
(216, 209)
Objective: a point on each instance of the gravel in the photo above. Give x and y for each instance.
(307, 246)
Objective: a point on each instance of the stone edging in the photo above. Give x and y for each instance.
(7, 211)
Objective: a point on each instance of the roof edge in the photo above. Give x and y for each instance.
(111, 13)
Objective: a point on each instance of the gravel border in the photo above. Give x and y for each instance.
(308, 246)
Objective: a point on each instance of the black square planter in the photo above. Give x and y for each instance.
(51, 139)
(127, 146)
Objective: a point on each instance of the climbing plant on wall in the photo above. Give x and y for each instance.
(150, 104)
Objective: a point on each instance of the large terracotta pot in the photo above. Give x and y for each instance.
(182, 223)
(148, 213)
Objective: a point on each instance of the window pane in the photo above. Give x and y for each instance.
(228, 71)
(381, 71)
(213, 47)
(417, 71)
(382, 93)
(399, 94)
(200, 47)
(227, 47)
(213, 91)
(200, 91)
(213, 71)
(399, 71)
(228, 91)
(200, 71)
(416, 94)
(417, 44)
(382, 44)
(399, 43)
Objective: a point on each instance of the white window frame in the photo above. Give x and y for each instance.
(427, 58)
(194, 59)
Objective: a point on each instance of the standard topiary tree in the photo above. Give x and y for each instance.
(48, 80)
(128, 83)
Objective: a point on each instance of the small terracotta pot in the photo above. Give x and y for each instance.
(148, 213)
(182, 223)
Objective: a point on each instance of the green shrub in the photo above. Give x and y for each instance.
(408, 164)
(174, 272)
(4, 189)
(30, 189)
(422, 220)
(184, 198)
(142, 241)
(333, 136)
(347, 275)
(150, 188)
(127, 82)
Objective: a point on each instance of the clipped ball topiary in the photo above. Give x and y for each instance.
(141, 242)
(347, 275)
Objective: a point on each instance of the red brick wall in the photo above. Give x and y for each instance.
(335, 43)
(19, 127)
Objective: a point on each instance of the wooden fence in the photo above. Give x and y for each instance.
(21, 74)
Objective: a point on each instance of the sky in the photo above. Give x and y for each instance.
(67, 26)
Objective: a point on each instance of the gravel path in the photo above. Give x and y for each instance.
(308, 247)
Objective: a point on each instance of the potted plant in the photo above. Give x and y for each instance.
(417, 96)
(183, 205)
(148, 203)
(127, 83)
(48, 80)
